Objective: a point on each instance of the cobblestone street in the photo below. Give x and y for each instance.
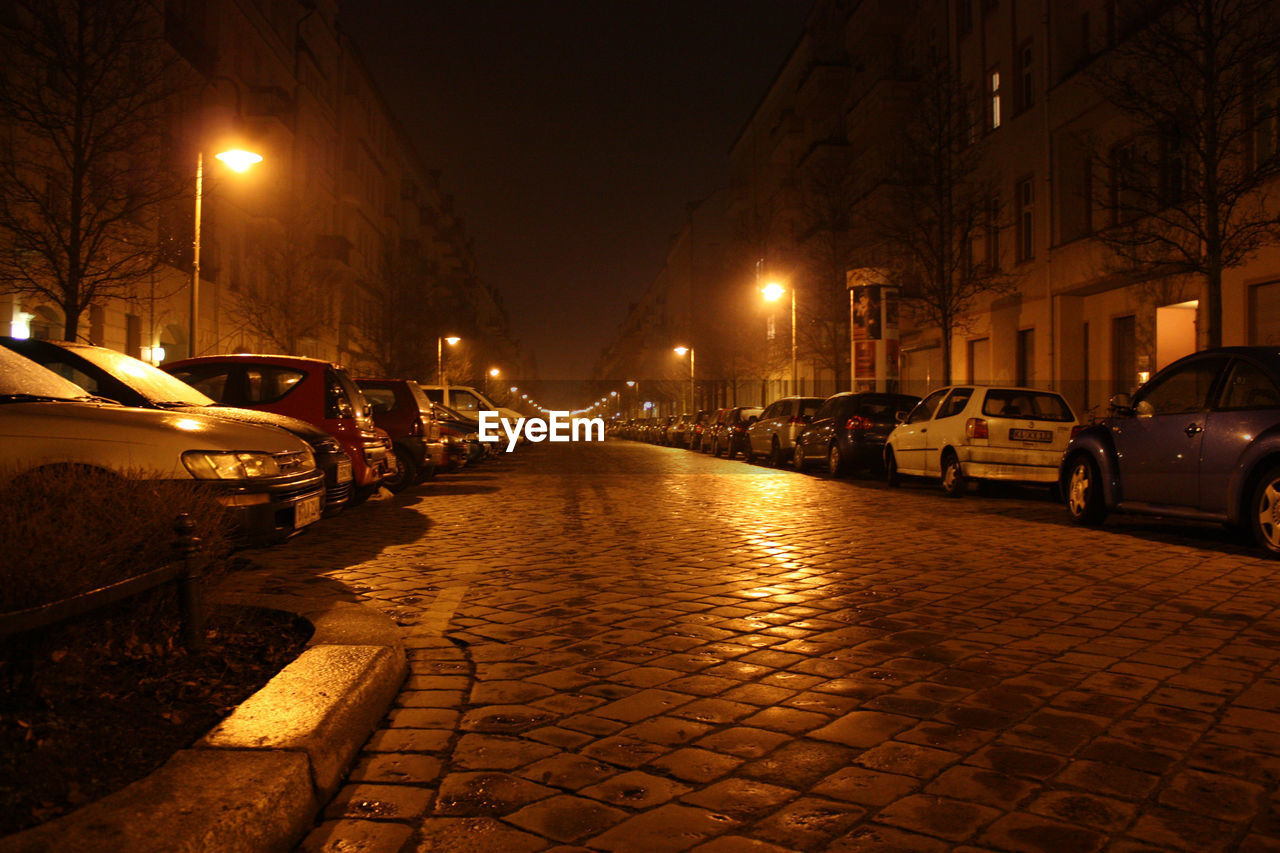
(628, 647)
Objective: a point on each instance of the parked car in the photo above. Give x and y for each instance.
(731, 438)
(964, 433)
(461, 434)
(469, 402)
(107, 373)
(265, 476)
(715, 428)
(679, 431)
(773, 435)
(310, 389)
(1200, 440)
(401, 409)
(700, 423)
(848, 431)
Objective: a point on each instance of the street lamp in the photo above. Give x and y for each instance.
(237, 160)
(772, 293)
(451, 340)
(680, 351)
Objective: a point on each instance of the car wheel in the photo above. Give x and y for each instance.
(777, 457)
(362, 494)
(953, 479)
(797, 458)
(1265, 516)
(404, 473)
(1084, 492)
(715, 447)
(891, 475)
(835, 460)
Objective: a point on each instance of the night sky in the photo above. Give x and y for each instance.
(572, 134)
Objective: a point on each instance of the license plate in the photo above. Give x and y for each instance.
(1042, 435)
(306, 512)
(344, 471)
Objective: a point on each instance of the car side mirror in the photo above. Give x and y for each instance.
(1121, 404)
(899, 417)
(752, 420)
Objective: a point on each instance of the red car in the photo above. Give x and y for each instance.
(310, 389)
(403, 410)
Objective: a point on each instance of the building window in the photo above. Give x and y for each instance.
(1264, 314)
(1026, 78)
(993, 234)
(1026, 366)
(1124, 355)
(1024, 194)
(993, 99)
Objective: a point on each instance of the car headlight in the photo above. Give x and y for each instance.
(207, 465)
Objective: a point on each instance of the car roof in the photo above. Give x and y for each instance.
(294, 360)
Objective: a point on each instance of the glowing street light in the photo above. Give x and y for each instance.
(772, 293)
(451, 340)
(239, 160)
(680, 351)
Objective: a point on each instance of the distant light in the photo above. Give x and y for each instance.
(20, 326)
(451, 340)
(495, 372)
(682, 351)
(239, 159)
(1143, 376)
(631, 383)
(773, 291)
(613, 393)
(514, 389)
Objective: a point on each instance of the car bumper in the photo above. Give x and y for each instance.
(272, 512)
(1015, 465)
(339, 481)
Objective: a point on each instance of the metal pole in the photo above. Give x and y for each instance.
(440, 361)
(795, 383)
(190, 597)
(195, 260)
(693, 390)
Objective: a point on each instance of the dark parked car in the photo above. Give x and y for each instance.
(701, 421)
(731, 437)
(1200, 441)
(461, 435)
(849, 429)
(310, 389)
(404, 412)
(107, 373)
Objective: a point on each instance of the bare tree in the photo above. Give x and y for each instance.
(289, 291)
(86, 93)
(939, 204)
(391, 329)
(1190, 191)
(826, 245)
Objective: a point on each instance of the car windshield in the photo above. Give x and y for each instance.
(1028, 405)
(23, 379)
(151, 382)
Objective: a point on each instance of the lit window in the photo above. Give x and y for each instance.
(993, 89)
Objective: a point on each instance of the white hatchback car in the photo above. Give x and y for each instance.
(963, 433)
(265, 476)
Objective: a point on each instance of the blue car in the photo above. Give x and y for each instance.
(1200, 441)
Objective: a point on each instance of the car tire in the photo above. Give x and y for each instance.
(798, 460)
(778, 458)
(953, 479)
(836, 466)
(891, 476)
(1264, 512)
(1084, 491)
(405, 475)
(363, 493)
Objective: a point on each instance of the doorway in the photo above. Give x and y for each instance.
(1175, 332)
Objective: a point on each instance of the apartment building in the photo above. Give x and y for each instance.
(340, 243)
(819, 163)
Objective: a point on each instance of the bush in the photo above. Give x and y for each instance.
(69, 530)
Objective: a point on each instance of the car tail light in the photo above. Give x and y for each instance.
(739, 428)
(797, 419)
(975, 428)
(416, 427)
(1076, 429)
(858, 423)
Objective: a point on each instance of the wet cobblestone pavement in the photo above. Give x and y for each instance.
(626, 647)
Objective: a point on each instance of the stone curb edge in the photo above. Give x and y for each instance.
(257, 780)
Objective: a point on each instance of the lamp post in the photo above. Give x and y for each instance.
(440, 342)
(680, 351)
(238, 160)
(773, 292)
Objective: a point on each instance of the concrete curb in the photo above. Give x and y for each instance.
(256, 781)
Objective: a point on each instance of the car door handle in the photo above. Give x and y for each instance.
(1192, 429)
